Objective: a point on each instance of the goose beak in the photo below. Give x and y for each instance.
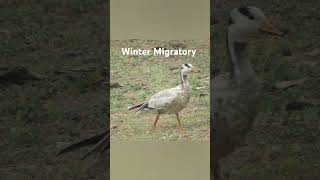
(269, 28)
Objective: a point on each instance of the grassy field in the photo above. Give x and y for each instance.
(285, 140)
(143, 76)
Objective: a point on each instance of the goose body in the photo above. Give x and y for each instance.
(236, 95)
(170, 101)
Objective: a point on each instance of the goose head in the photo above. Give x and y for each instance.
(186, 69)
(247, 22)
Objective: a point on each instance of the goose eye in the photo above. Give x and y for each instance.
(246, 12)
(187, 65)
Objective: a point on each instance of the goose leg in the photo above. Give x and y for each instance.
(156, 121)
(179, 123)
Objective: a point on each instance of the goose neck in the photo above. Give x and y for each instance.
(241, 68)
(184, 80)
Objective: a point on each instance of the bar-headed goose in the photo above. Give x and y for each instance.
(236, 97)
(170, 101)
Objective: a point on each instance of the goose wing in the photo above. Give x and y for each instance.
(164, 98)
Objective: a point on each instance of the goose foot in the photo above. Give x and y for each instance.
(180, 128)
(154, 126)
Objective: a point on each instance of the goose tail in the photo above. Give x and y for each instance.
(86, 142)
(139, 106)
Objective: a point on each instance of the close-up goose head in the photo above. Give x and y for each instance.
(245, 23)
(186, 69)
(248, 21)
